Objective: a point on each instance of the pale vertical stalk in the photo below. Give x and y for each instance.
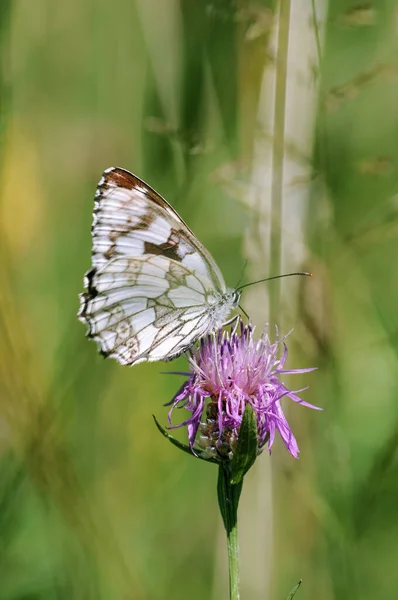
(303, 73)
(278, 152)
(275, 243)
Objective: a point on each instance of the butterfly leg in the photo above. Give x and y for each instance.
(236, 319)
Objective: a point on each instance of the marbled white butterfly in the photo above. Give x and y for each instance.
(153, 289)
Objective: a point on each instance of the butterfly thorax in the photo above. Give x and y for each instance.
(221, 305)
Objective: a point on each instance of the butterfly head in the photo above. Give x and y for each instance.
(235, 297)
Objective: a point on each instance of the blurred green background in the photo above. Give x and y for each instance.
(272, 128)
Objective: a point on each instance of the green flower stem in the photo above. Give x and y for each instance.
(233, 563)
(228, 500)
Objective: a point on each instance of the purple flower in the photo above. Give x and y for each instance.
(227, 371)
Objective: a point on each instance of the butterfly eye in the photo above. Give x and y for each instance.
(235, 297)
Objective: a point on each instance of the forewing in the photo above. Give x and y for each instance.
(146, 308)
(131, 219)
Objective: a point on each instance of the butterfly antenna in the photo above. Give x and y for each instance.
(241, 275)
(244, 312)
(274, 277)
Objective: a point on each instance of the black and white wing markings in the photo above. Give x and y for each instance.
(148, 308)
(132, 219)
(153, 289)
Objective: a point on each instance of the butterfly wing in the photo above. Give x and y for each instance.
(131, 219)
(146, 308)
(153, 290)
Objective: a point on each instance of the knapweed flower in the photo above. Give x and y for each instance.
(227, 372)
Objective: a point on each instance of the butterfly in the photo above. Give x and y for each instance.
(153, 289)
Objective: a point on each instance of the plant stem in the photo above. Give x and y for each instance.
(228, 500)
(233, 563)
(278, 154)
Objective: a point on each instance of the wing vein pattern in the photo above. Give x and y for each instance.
(153, 289)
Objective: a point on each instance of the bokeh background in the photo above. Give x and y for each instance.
(272, 128)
